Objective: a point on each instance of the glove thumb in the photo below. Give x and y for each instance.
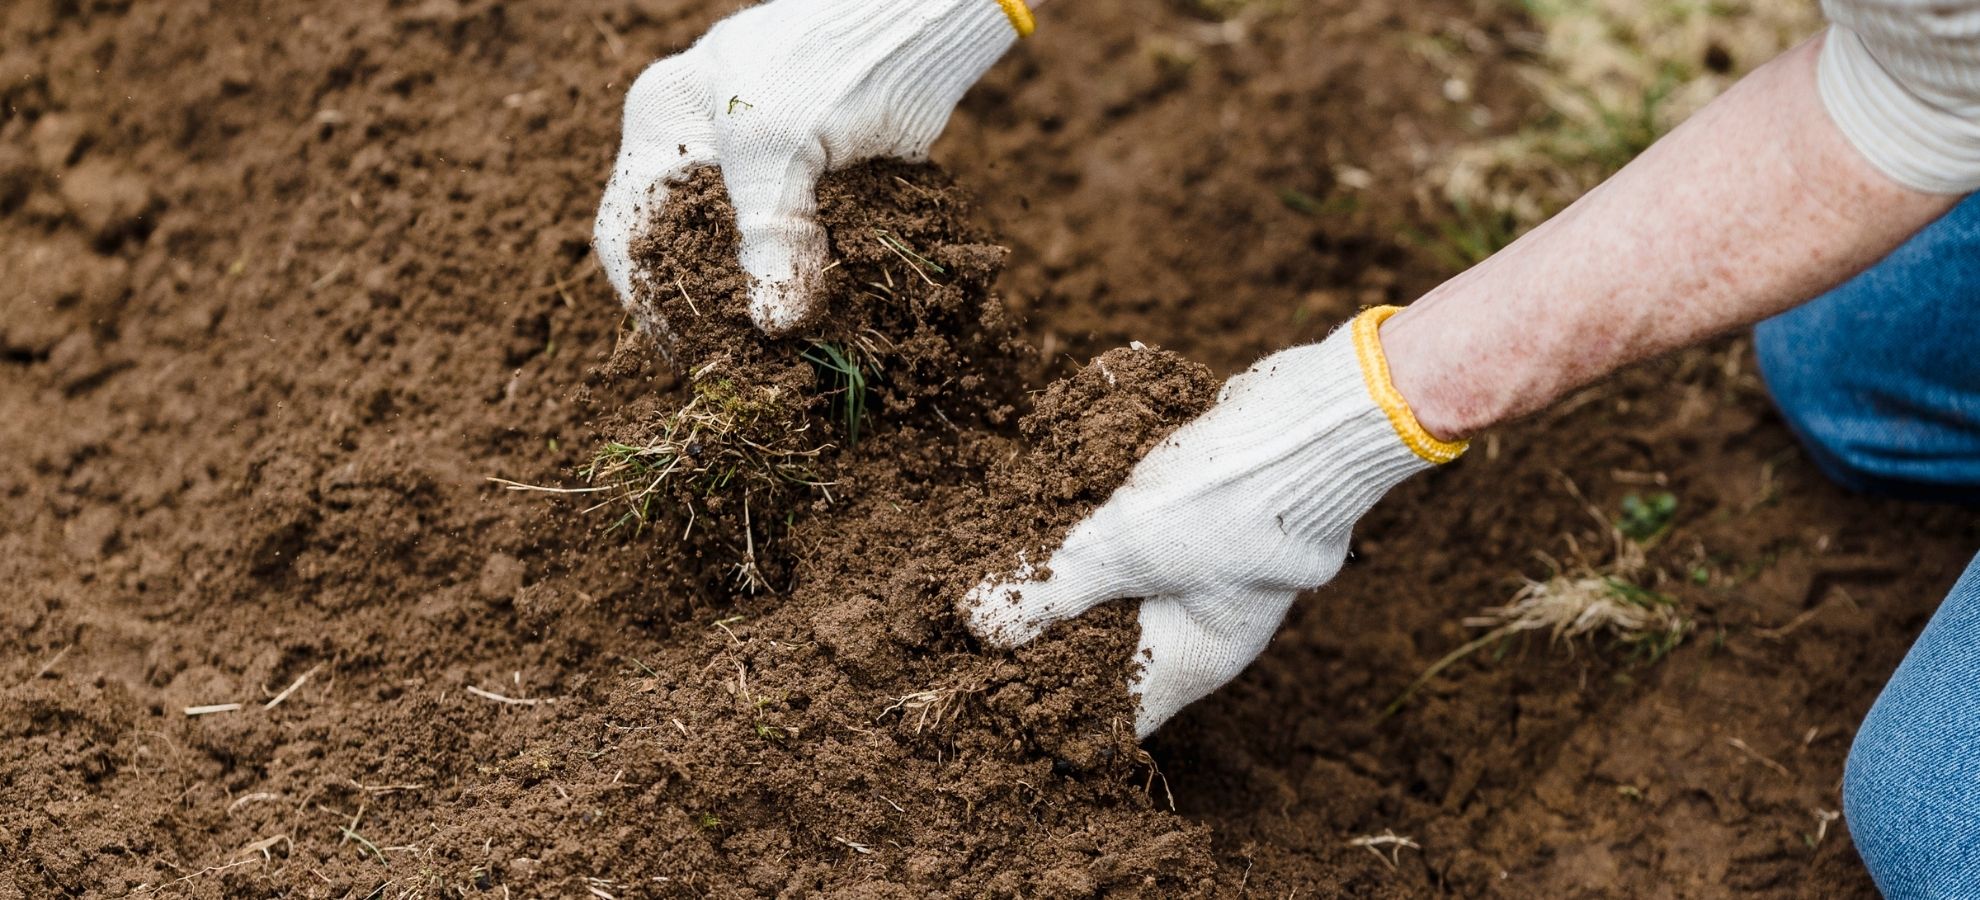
(665, 132)
(1184, 656)
(1009, 612)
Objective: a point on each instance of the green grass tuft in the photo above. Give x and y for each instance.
(845, 368)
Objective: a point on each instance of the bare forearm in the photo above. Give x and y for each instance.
(1755, 204)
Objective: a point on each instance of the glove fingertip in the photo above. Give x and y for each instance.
(996, 613)
(781, 307)
(1184, 657)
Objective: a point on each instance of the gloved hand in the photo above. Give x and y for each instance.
(776, 95)
(1223, 524)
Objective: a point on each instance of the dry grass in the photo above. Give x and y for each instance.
(1587, 600)
(735, 446)
(1647, 624)
(1588, 604)
(932, 708)
(727, 439)
(1613, 75)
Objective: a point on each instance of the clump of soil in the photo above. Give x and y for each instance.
(909, 286)
(908, 338)
(856, 712)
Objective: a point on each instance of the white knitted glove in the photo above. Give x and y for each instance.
(776, 95)
(1224, 523)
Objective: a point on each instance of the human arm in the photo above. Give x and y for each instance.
(1755, 204)
(1759, 202)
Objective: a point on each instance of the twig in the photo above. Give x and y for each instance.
(519, 486)
(684, 296)
(284, 695)
(498, 698)
(1822, 819)
(245, 799)
(51, 664)
(153, 889)
(742, 681)
(1154, 772)
(329, 276)
(384, 788)
(1388, 838)
(1792, 625)
(264, 845)
(210, 709)
(1742, 747)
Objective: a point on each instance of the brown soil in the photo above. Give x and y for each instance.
(289, 283)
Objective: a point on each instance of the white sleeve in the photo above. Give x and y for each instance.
(1901, 78)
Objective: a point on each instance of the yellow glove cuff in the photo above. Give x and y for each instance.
(1020, 16)
(1375, 372)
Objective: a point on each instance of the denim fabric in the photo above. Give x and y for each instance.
(1881, 380)
(1911, 789)
(1881, 376)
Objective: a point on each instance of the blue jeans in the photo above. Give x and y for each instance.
(1881, 380)
(1911, 789)
(1881, 376)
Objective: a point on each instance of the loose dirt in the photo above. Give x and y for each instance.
(855, 714)
(290, 282)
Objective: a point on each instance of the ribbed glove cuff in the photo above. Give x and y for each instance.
(901, 64)
(1325, 424)
(966, 38)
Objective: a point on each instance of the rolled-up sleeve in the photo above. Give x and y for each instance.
(1902, 80)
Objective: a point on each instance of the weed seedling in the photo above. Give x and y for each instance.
(369, 848)
(1469, 238)
(1306, 204)
(1645, 519)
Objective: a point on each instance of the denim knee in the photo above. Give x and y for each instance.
(1911, 788)
(1879, 377)
(1912, 834)
(1845, 444)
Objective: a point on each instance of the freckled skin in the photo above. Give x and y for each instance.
(1756, 204)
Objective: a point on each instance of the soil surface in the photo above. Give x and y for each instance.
(289, 283)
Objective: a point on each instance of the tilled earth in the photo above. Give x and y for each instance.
(288, 283)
